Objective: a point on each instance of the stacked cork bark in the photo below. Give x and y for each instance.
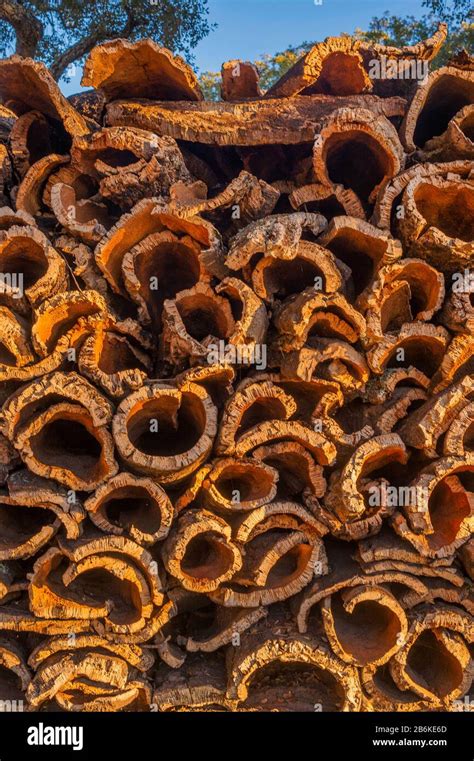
(226, 326)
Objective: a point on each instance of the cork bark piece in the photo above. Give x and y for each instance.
(200, 685)
(398, 71)
(126, 504)
(456, 141)
(239, 485)
(445, 93)
(397, 292)
(274, 276)
(437, 222)
(278, 235)
(330, 202)
(417, 344)
(374, 140)
(345, 496)
(130, 164)
(361, 247)
(298, 473)
(254, 198)
(458, 312)
(148, 420)
(240, 80)
(388, 206)
(140, 69)
(81, 462)
(253, 122)
(29, 140)
(443, 670)
(39, 270)
(308, 669)
(332, 67)
(364, 625)
(439, 514)
(116, 356)
(314, 314)
(193, 321)
(16, 675)
(282, 552)
(88, 680)
(49, 511)
(200, 553)
(424, 427)
(136, 228)
(27, 85)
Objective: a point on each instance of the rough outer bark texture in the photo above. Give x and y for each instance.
(237, 385)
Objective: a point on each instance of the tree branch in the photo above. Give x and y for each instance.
(74, 53)
(79, 49)
(28, 28)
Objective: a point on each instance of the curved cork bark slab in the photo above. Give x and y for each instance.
(129, 505)
(129, 164)
(361, 247)
(147, 422)
(236, 485)
(345, 496)
(405, 291)
(194, 320)
(312, 315)
(30, 140)
(277, 277)
(387, 211)
(199, 551)
(88, 680)
(282, 552)
(332, 67)
(277, 236)
(145, 220)
(434, 662)
(26, 251)
(330, 202)
(444, 510)
(240, 80)
(435, 103)
(32, 513)
(308, 670)
(255, 197)
(417, 344)
(23, 406)
(116, 357)
(200, 685)
(27, 85)
(254, 122)
(437, 222)
(375, 142)
(364, 625)
(16, 675)
(456, 141)
(140, 69)
(63, 443)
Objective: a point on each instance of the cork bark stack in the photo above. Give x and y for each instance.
(237, 384)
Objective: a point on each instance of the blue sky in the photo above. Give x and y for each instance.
(247, 28)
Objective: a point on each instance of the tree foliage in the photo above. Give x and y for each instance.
(61, 32)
